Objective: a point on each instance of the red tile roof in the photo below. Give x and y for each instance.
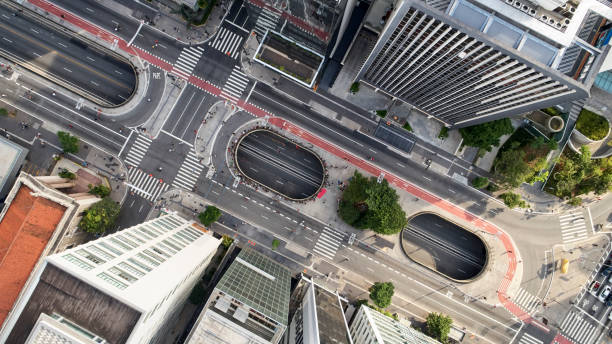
(25, 231)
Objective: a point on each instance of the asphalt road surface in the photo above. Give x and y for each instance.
(60, 55)
(275, 162)
(458, 253)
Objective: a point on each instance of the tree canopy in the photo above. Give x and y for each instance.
(486, 135)
(368, 204)
(100, 217)
(99, 190)
(381, 293)
(438, 326)
(69, 143)
(578, 174)
(480, 182)
(210, 215)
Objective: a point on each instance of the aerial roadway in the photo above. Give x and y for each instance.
(37, 44)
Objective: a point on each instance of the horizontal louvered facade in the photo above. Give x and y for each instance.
(457, 74)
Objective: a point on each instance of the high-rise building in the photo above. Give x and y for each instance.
(121, 288)
(317, 316)
(465, 62)
(371, 327)
(249, 305)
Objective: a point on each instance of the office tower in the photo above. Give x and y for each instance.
(250, 304)
(317, 316)
(369, 326)
(465, 62)
(121, 288)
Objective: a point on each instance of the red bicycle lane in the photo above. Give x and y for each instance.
(354, 160)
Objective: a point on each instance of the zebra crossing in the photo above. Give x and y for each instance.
(227, 42)
(138, 150)
(526, 301)
(573, 227)
(578, 329)
(526, 338)
(189, 172)
(328, 243)
(235, 85)
(145, 185)
(187, 61)
(266, 20)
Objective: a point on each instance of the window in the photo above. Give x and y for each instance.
(111, 280)
(165, 246)
(127, 267)
(154, 256)
(144, 233)
(124, 275)
(139, 264)
(90, 257)
(134, 237)
(126, 241)
(175, 243)
(148, 259)
(121, 244)
(181, 239)
(98, 251)
(110, 248)
(78, 262)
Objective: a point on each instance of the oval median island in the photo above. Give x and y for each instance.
(270, 160)
(444, 246)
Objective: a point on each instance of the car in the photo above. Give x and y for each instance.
(605, 292)
(610, 316)
(594, 288)
(606, 272)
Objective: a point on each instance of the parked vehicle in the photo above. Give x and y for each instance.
(594, 288)
(610, 316)
(604, 293)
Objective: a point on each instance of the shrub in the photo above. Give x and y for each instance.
(354, 88)
(492, 187)
(480, 182)
(551, 111)
(210, 215)
(3, 112)
(592, 125)
(513, 200)
(443, 133)
(69, 143)
(486, 135)
(275, 244)
(575, 201)
(438, 326)
(381, 113)
(64, 173)
(407, 126)
(226, 241)
(100, 217)
(99, 190)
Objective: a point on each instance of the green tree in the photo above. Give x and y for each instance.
(438, 326)
(368, 204)
(226, 241)
(69, 143)
(487, 134)
(197, 294)
(210, 215)
(575, 201)
(354, 87)
(64, 173)
(480, 182)
(511, 168)
(3, 112)
(443, 133)
(99, 190)
(513, 200)
(100, 217)
(275, 244)
(381, 293)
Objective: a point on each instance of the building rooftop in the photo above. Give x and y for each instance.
(11, 159)
(330, 317)
(126, 263)
(391, 331)
(259, 283)
(25, 231)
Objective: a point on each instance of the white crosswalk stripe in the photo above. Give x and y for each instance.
(573, 227)
(526, 301)
(189, 172)
(227, 42)
(187, 61)
(235, 85)
(138, 150)
(145, 185)
(267, 20)
(529, 339)
(328, 242)
(578, 329)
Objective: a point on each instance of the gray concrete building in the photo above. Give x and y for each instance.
(465, 62)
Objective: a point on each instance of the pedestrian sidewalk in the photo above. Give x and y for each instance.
(210, 127)
(155, 122)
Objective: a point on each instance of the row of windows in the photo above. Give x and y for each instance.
(78, 262)
(111, 280)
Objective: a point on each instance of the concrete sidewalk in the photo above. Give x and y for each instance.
(210, 127)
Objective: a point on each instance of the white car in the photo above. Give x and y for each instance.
(604, 293)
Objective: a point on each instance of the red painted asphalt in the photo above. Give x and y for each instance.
(354, 160)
